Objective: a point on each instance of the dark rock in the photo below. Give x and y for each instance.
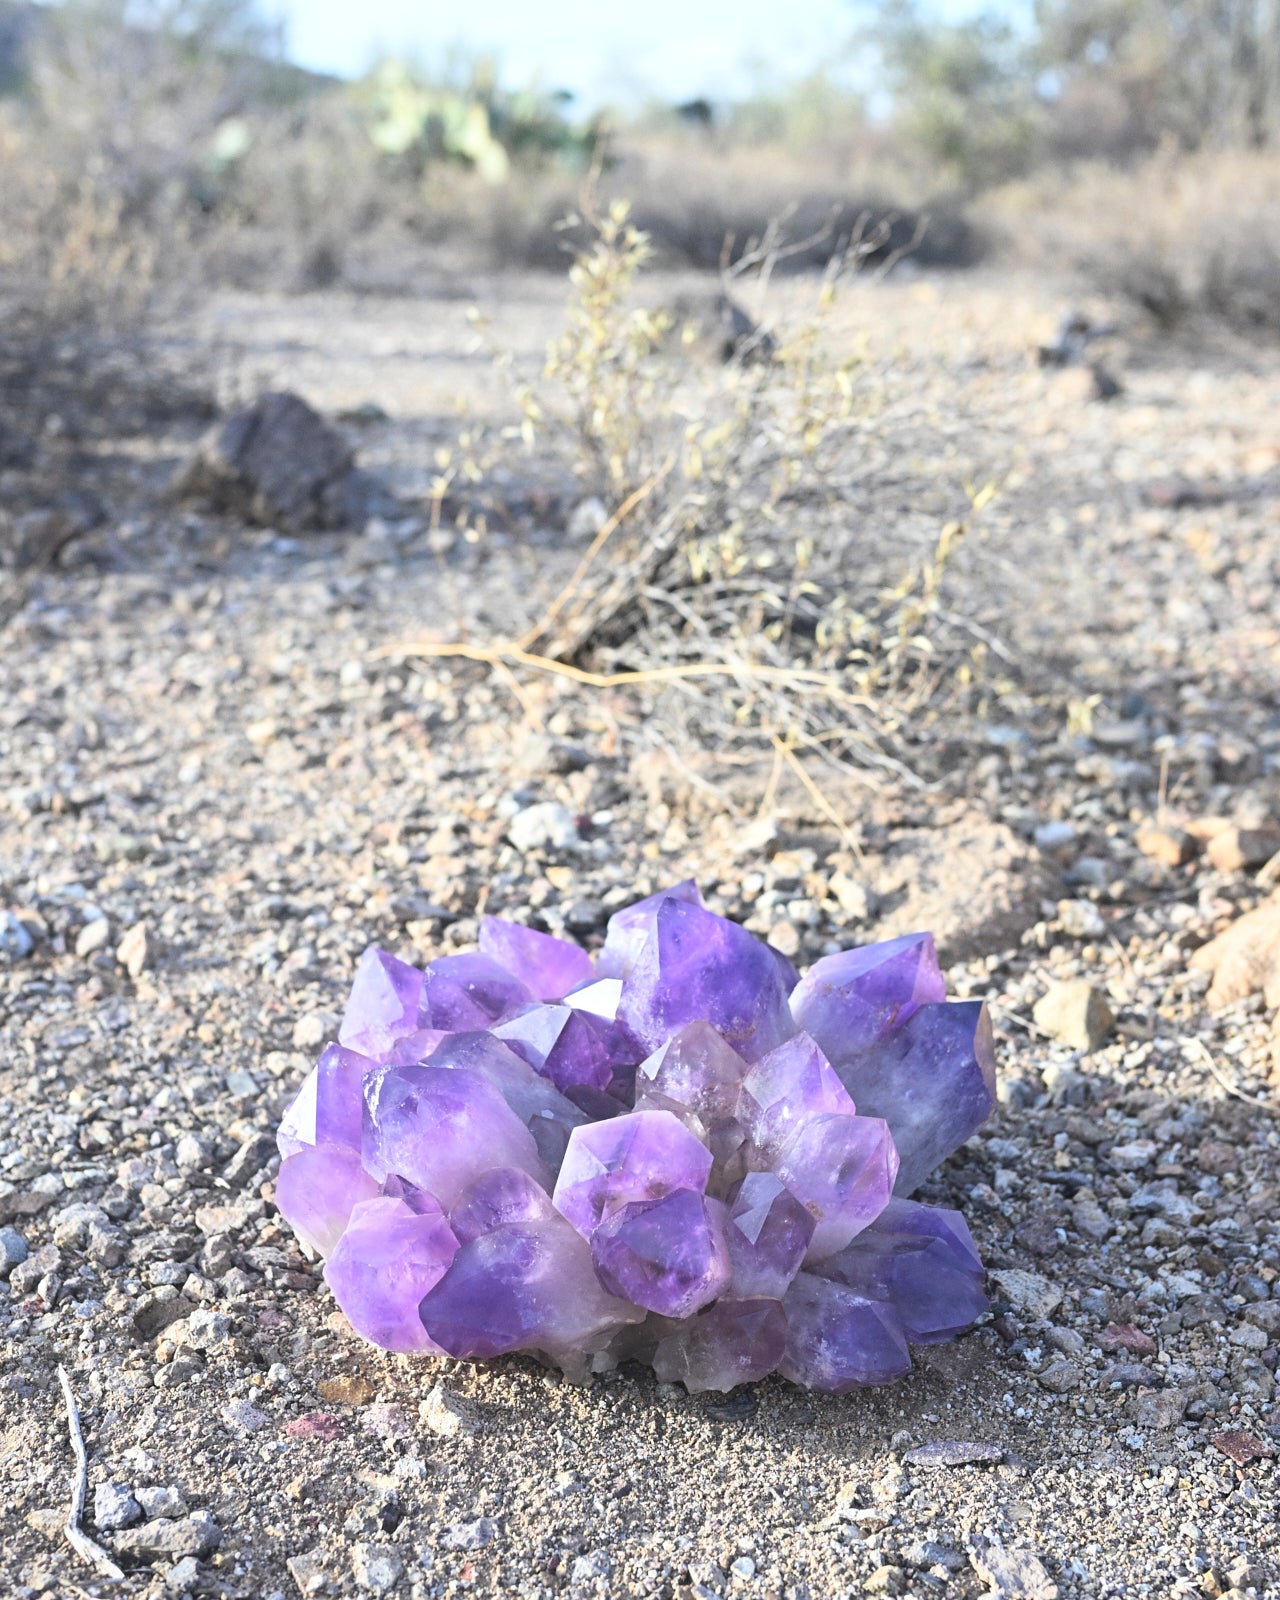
(279, 463)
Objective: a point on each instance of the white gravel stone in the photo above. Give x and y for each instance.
(545, 826)
(376, 1568)
(115, 1507)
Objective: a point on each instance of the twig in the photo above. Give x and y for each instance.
(80, 1541)
(984, 635)
(1233, 1089)
(783, 748)
(513, 655)
(608, 527)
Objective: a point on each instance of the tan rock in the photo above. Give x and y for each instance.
(1076, 1014)
(1203, 829)
(448, 1414)
(974, 883)
(1169, 845)
(1246, 958)
(345, 1390)
(1237, 849)
(134, 950)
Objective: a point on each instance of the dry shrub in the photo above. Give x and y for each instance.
(1177, 235)
(728, 578)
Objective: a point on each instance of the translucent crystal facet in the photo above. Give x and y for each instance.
(629, 929)
(731, 1342)
(634, 1158)
(547, 966)
(460, 993)
(848, 1002)
(697, 967)
(666, 1255)
(675, 1152)
(327, 1109)
(522, 1285)
(767, 1236)
(567, 1047)
(388, 1258)
(838, 1339)
(922, 1260)
(440, 1127)
(383, 1005)
(316, 1189)
(933, 1081)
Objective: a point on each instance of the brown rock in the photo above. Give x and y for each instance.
(1158, 1408)
(345, 1391)
(1075, 1013)
(1124, 1336)
(973, 883)
(1217, 1158)
(1171, 846)
(164, 1540)
(1245, 958)
(1241, 1447)
(1237, 849)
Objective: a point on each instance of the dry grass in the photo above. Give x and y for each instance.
(1178, 235)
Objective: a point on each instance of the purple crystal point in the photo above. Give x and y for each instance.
(767, 1236)
(565, 1046)
(496, 1199)
(849, 1001)
(629, 929)
(838, 1339)
(841, 1169)
(547, 1114)
(440, 1127)
(697, 967)
(638, 1157)
(316, 1188)
(548, 966)
(528, 1285)
(326, 1110)
(731, 1342)
(695, 1075)
(666, 1255)
(787, 1088)
(682, 1155)
(383, 1005)
(389, 1257)
(933, 1081)
(922, 1260)
(463, 993)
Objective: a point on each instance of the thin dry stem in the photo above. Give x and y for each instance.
(80, 1541)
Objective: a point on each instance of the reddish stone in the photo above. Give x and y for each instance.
(314, 1425)
(1124, 1336)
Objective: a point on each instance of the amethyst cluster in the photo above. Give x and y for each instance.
(679, 1151)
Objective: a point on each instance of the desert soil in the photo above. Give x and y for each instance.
(217, 787)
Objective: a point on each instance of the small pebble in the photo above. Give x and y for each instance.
(114, 1507)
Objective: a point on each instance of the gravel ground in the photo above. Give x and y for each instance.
(214, 793)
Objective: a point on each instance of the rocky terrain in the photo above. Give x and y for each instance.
(221, 778)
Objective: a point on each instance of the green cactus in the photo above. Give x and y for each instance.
(480, 126)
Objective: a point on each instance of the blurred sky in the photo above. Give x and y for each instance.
(603, 50)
